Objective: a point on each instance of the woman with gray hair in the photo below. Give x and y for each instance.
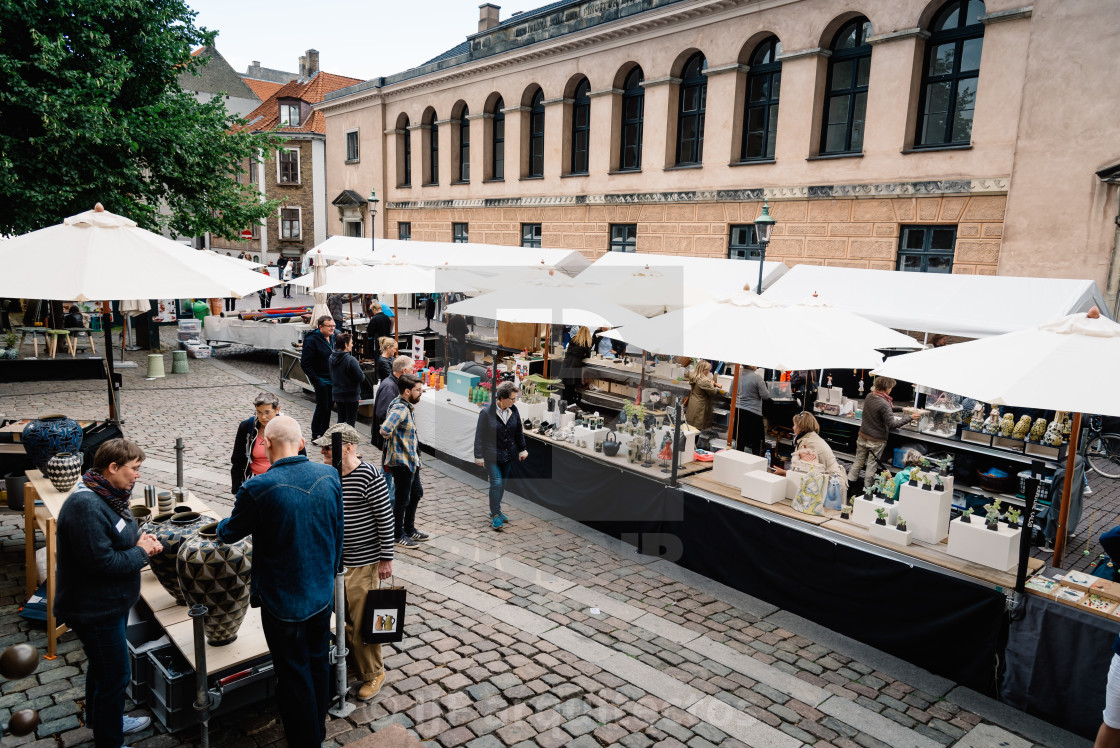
(249, 454)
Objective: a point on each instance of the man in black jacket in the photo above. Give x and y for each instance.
(498, 438)
(457, 332)
(315, 360)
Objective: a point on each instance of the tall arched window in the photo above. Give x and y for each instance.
(951, 74)
(760, 119)
(464, 146)
(433, 151)
(690, 113)
(498, 146)
(536, 135)
(581, 127)
(406, 154)
(845, 103)
(633, 111)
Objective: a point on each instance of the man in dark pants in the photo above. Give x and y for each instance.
(402, 460)
(387, 392)
(316, 363)
(294, 513)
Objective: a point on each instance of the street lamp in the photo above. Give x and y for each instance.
(373, 201)
(763, 227)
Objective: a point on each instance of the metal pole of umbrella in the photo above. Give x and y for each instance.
(1029, 512)
(343, 708)
(203, 700)
(731, 412)
(107, 312)
(179, 468)
(396, 321)
(1067, 488)
(676, 443)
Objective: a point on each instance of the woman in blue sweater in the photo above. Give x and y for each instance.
(100, 554)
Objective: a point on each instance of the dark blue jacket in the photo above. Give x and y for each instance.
(346, 377)
(98, 562)
(387, 391)
(1110, 541)
(316, 356)
(294, 513)
(495, 441)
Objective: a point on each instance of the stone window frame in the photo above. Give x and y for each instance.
(498, 138)
(460, 232)
(280, 161)
(838, 56)
(464, 149)
(404, 231)
(737, 248)
(770, 72)
(352, 156)
(432, 134)
(531, 235)
(632, 93)
(535, 163)
(623, 243)
(253, 170)
(958, 37)
(699, 83)
(406, 155)
(359, 224)
(285, 112)
(287, 220)
(581, 130)
(926, 252)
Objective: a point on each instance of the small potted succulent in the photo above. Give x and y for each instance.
(845, 511)
(926, 484)
(881, 517)
(1013, 515)
(938, 484)
(914, 473)
(967, 516)
(992, 515)
(867, 493)
(901, 525)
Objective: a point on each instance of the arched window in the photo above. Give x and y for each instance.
(498, 146)
(633, 110)
(464, 146)
(433, 151)
(845, 102)
(406, 154)
(951, 74)
(690, 113)
(536, 135)
(581, 127)
(760, 119)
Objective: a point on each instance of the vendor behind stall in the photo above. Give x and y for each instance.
(698, 413)
(749, 429)
(878, 420)
(579, 348)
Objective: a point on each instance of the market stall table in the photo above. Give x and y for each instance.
(266, 335)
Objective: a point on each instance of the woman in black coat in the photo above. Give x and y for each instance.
(346, 378)
(579, 348)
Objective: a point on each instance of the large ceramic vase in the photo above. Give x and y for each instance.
(63, 470)
(216, 574)
(172, 530)
(46, 436)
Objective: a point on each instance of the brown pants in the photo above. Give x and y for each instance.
(367, 657)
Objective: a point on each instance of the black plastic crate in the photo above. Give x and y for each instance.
(136, 636)
(173, 689)
(172, 677)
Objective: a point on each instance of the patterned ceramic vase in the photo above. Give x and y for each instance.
(46, 436)
(64, 469)
(172, 530)
(216, 574)
(143, 516)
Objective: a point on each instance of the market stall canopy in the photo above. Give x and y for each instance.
(750, 329)
(353, 276)
(548, 299)
(235, 260)
(971, 306)
(487, 259)
(100, 256)
(718, 278)
(645, 290)
(1028, 368)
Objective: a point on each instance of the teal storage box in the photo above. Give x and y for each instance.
(460, 382)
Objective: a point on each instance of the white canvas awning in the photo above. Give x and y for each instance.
(971, 306)
(716, 277)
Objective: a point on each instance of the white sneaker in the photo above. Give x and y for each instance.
(135, 724)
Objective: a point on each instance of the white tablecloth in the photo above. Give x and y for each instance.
(446, 422)
(276, 336)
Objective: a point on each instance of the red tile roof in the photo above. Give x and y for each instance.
(267, 115)
(263, 89)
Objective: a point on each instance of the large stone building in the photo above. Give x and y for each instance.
(932, 135)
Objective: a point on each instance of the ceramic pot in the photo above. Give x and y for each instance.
(46, 436)
(143, 516)
(63, 470)
(171, 530)
(216, 574)
(611, 444)
(13, 484)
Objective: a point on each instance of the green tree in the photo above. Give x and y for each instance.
(92, 112)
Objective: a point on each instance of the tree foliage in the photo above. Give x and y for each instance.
(91, 111)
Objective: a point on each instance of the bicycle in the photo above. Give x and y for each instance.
(1102, 451)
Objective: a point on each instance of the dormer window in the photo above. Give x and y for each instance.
(289, 115)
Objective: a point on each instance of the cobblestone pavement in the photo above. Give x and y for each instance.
(548, 634)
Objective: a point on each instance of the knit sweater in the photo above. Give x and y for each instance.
(368, 517)
(879, 418)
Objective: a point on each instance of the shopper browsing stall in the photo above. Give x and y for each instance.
(878, 420)
(249, 456)
(808, 446)
(389, 351)
(346, 378)
(499, 437)
(457, 334)
(750, 431)
(315, 361)
(701, 397)
(402, 459)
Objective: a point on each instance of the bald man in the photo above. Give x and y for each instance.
(294, 513)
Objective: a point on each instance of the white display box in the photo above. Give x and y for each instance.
(974, 542)
(533, 411)
(835, 395)
(793, 483)
(927, 513)
(891, 534)
(764, 487)
(724, 381)
(864, 511)
(730, 465)
(591, 436)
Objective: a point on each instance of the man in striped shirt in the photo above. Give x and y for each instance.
(402, 460)
(367, 547)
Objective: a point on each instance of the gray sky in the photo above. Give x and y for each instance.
(359, 38)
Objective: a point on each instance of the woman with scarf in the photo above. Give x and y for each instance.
(878, 420)
(100, 554)
(249, 456)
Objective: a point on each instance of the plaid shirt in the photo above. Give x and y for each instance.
(399, 430)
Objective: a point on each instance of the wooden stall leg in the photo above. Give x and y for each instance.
(52, 625)
(29, 496)
(1067, 488)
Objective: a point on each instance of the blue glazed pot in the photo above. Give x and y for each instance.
(47, 436)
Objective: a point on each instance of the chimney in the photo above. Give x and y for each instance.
(312, 63)
(488, 16)
(254, 70)
(302, 67)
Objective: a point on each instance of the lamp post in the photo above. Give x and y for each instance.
(373, 201)
(763, 227)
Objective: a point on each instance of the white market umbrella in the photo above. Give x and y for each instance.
(547, 303)
(318, 277)
(858, 330)
(645, 290)
(352, 276)
(240, 262)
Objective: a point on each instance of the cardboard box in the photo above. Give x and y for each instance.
(519, 336)
(460, 382)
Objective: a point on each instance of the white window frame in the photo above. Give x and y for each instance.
(286, 109)
(357, 143)
(299, 211)
(299, 175)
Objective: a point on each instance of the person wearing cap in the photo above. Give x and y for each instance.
(367, 547)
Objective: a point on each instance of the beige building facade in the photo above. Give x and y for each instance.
(932, 135)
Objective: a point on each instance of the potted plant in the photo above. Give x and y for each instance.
(901, 525)
(992, 515)
(967, 516)
(845, 511)
(938, 484)
(628, 411)
(1013, 515)
(640, 412)
(881, 517)
(11, 340)
(867, 493)
(914, 473)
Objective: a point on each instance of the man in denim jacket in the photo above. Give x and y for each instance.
(294, 513)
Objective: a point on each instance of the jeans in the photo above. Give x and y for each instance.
(390, 486)
(107, 675)
(498, 473)
(231, 305)
(749, 432)
(347, 412)
(458, 350)
(406, 484)
(321, 419)
(287, 292)
(300, 658)
(870, 453)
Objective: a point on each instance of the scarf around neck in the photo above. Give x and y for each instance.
(115, 497)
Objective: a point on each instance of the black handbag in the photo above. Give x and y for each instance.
(383, 615)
